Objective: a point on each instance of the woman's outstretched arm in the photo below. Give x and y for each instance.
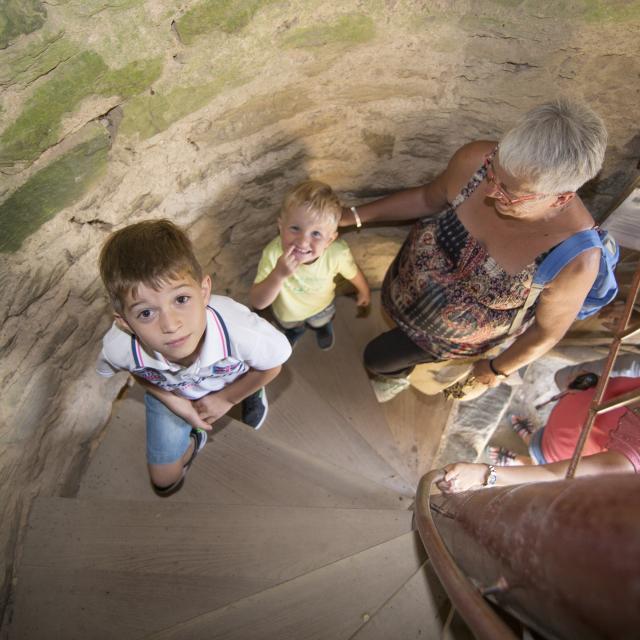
(428, 199)
(463, 476)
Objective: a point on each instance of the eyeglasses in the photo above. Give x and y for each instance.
(502, 194)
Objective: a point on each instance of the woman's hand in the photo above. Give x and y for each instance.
(462, 476)
(558, 306)
(482, 373)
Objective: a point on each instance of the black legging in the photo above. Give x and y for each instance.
(394, 354)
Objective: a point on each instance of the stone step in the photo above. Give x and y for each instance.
(301, 417)
(416, 611)
(105, 569)
(330, 603)
(416, 421)
(339, 377)
(472, 425)
(236, 467)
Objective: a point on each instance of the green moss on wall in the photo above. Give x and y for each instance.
(229, 16)
(38, 125)
(92, 7)
(515, 3)
(612, 10)
(589, 10)
(36, 59)
(130, 79)
(347, 29)
(151, 114)
(18, 17)
(51, 189)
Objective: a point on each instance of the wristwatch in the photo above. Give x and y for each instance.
(490, 480)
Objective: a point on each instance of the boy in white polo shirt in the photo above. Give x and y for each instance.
(196, 354)
(297, 269)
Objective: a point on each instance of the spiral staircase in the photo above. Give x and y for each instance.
(301, 530)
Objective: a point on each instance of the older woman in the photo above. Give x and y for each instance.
(482, 226)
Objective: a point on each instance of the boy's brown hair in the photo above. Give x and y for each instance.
(317, 198)
(151, 252)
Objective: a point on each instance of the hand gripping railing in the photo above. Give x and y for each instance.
(465, 597)
(484, 623)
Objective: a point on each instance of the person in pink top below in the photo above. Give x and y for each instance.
(613, 445)
(557, 440)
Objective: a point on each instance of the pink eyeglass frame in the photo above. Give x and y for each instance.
(502, 194)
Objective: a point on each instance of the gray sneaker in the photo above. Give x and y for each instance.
(199, 440)
(255, 408)
(325, 337)
(388, 388)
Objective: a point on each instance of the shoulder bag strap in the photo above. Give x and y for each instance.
(558, 258)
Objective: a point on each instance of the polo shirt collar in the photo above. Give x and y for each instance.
(215, 343)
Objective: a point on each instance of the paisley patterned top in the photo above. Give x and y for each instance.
(446, 292)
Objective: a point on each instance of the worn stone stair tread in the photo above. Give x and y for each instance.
(416, 421)
(415, 612)
(303, 419)
(330, 603)
(118, 569)
(339, 376)
(236, 467)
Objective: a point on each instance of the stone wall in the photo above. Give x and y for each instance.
(206, 111)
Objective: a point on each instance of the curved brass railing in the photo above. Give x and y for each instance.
(465, 597)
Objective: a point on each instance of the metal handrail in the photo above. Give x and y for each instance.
(623, 400)
(529, 548)
(630, 332)
(484, 623)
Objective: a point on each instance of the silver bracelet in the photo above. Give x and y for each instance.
(356, 217)
(491, 478)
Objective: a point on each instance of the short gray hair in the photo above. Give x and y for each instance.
(558, 146)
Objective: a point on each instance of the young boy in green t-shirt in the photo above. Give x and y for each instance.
(297, 269)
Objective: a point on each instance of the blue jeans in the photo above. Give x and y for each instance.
(167, 434)
(315, 321)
